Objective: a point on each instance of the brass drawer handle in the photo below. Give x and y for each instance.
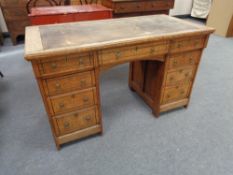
(85, 99)
(195, 43)
(87, 118)
(191, 61)
(61, 105)
(53, 65)
(171, 78)
(138, 6)
(118, 55)
(66, 125)
(73, 96)
(179, 45)
(175, 62)
(58, 85)
(81, 62)
(136, 48)
(168, 96)
(82, 83)
(152, 51)
(182, 92)
(76, 115)
(186, 75)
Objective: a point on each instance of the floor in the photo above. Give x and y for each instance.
(193, 141)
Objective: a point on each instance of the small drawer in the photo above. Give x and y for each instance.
(69, 83)
(184, 59)
(130, 53)
(66, 64)
(175, 93)
(73, 101)
(76, 121)
(187, 44)
(180, 76)
(128, 7)
(158, 5)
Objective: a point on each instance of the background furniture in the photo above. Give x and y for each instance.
(16, 17)
(36, 3)
(201, 8)
(68, 72)
(122, 8)
(78, 2)
(60, 14)
(221, 17)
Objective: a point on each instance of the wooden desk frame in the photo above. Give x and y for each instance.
(162, 71)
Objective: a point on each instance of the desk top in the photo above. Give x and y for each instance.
(55, 10)
(47, 40)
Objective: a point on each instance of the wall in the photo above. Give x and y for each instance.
(2, 22)
(182, 7)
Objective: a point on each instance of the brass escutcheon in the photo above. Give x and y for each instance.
(54, 65)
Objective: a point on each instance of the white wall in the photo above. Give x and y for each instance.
(182, 7)
(2, 22)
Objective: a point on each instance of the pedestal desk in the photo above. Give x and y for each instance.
(67, 60)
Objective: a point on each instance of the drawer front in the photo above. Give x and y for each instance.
(129, 53)
(175, 93)
(76, 121)
(73, 101)
(128, 7)
(180, 76)
(184, 59)
(157, 5)
(187, 44)
(69, 83)
(66, 64)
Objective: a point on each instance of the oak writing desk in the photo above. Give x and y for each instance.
(67, 60)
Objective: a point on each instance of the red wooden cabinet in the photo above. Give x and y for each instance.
(62, 14)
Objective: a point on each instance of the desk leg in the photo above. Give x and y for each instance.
(130, 77)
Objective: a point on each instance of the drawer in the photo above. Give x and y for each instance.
(175, 93)
(184, 59)
(128, 7)
(130, 53)
(180, 76)
(187, 44)
(69, 83)
(76, 121)
(73, 101)
(157, 5)
(66, 64)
